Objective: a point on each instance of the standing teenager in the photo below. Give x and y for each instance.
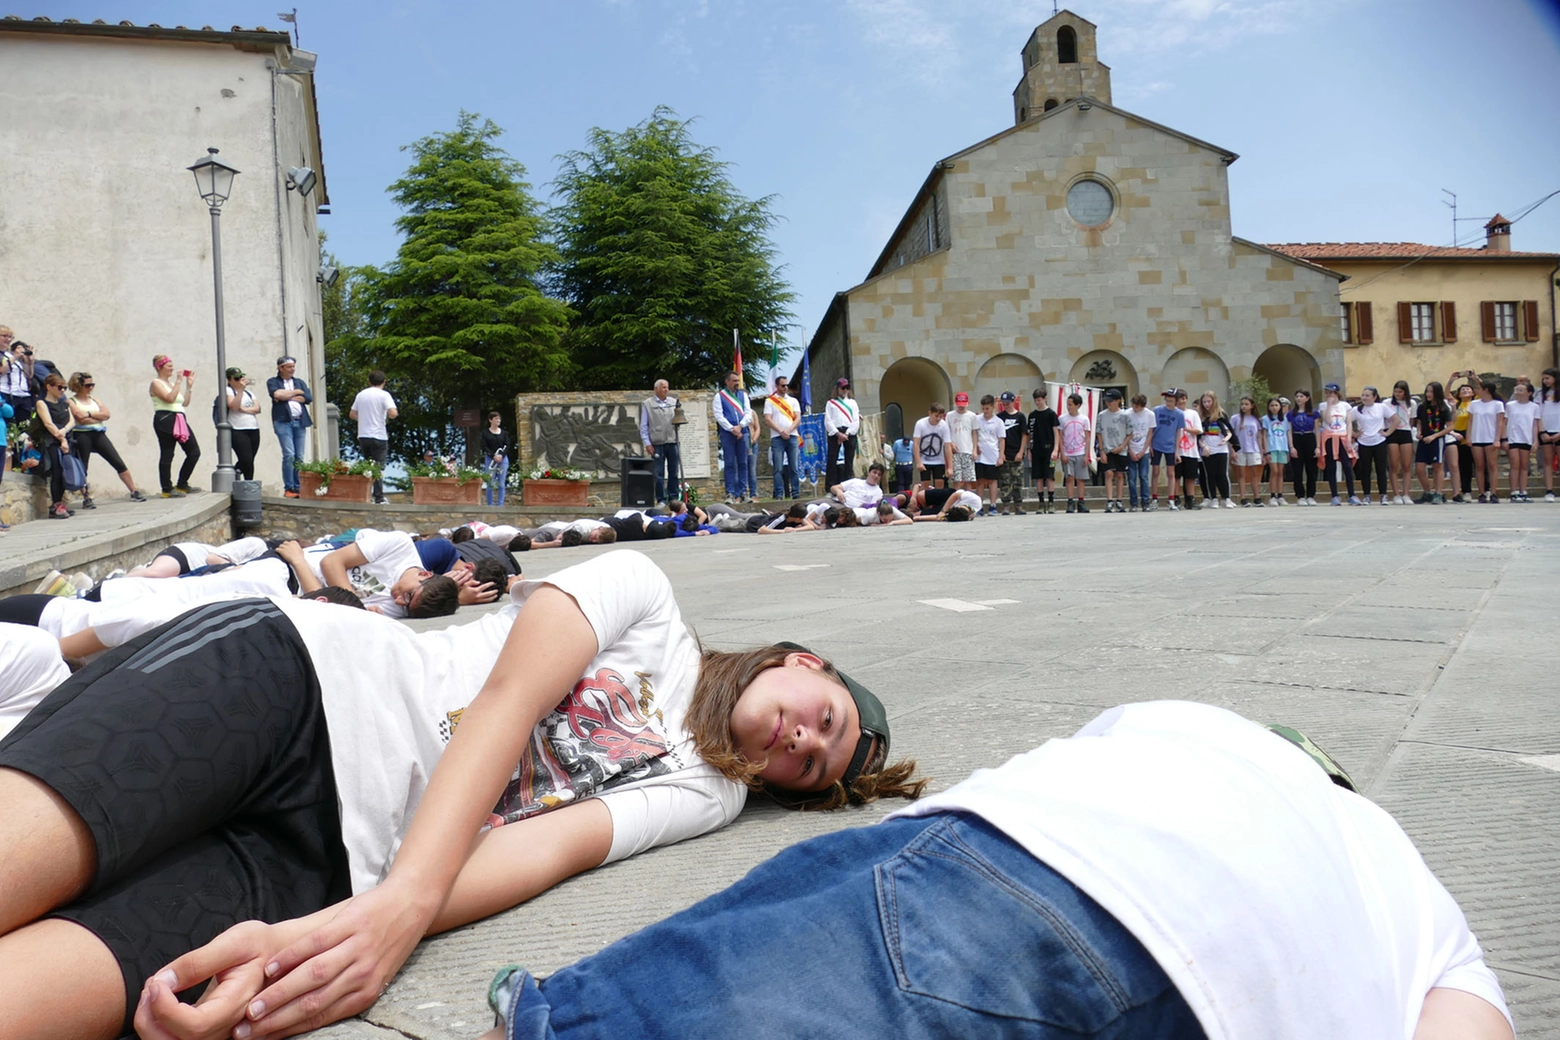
(1433, 423)
(1275, 438)
(1335, 450)
(1522, 424)
(1188, 455)
(1214, 447)
(1043, 423)
(1486, 436)
(243, 422)
(1168, 420)
(1373, 423)
(1075, 450)
(1462, 395)
(1302, 428)
(1400, 442)
(56, 422)
(1549, 428)
(366, 800)
(1250, 446)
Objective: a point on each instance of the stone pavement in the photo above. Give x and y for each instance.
(1416, 644)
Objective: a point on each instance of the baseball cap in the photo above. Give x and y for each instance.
(1008, 395)
(1334, 387)
(1113, 395)
(235, 373)
(873, 745)
(1167, 393)
(842, 383)
(961, 398)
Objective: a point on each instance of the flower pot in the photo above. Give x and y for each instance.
(555, 492)
(343, 487)
(445, 491)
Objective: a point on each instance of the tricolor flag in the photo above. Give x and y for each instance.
(736, 360)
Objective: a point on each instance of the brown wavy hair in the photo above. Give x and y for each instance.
(723, 676)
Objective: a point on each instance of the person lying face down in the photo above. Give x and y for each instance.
(381, 791)
(182, 557)
(385, 570)
(1171, 871)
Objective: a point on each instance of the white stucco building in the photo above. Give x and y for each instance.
(105, 244)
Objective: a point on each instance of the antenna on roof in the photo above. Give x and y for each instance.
(293, 18)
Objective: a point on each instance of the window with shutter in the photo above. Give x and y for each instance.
(1345, 325)
(1530, 320)
(1448, 321)
(1421, 322)
(1364, 324)
(1405, 322)
(1505, 322)
(1487, 320)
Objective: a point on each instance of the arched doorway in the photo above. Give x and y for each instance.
(914, 384)
(1287, 368)
(1107, 370)
(1013, 372)
(1196, 370)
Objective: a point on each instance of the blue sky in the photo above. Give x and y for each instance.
(1349, 117)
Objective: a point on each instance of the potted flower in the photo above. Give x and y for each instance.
(336, 479)
(555, 486)
(445, 483)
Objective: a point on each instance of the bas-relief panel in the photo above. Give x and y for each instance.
(593, 438)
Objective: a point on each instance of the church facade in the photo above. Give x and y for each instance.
(1084, 244)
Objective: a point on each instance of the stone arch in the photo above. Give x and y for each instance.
(913, 384)
(1051, 103)
(1287, 368)
(1106, 369)
(1195, 370)
(1066, 46)
(1013, 372)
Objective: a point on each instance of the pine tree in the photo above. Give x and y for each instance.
(661, 259)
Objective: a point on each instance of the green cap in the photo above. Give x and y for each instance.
(872, 745)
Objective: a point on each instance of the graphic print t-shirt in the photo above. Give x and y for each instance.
(1042, 433)
(390, 554)
(929, 439)
(616, 734)
(1186, 436)
(961, 429)
(1075, 434)
(1143, 424)
(1277, 428)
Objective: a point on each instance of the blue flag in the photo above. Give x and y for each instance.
(804, 392)
(811, 463)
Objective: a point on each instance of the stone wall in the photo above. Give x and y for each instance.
(22, 498)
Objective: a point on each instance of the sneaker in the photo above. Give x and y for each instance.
(1082, 506)
(1174, 508)
(1311, 502)
(187, 489)
(1494, 498)
(289, 493)
(1258, 503)
(1354, 500)
(175, 493)
(1193, 506)
(1072, 505)
(1335, 501)
(48, 579)
(82, 580)
(1153, 505)
(1549, 497)
(1458, 498)
(1132, 507)
(1228, 504)
(1437, 499)
(1017, 511)
(136, 496)
(87, 503)
(1423, 499)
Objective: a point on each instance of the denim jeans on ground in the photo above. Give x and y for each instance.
(734, 455)
(784, 453)
(666, 475)
(1138, 476)
(936, 926)
(295, 438)
(497, 479)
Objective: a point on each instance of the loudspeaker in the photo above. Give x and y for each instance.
(637, 482)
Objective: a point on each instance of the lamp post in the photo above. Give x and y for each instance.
(214, 180)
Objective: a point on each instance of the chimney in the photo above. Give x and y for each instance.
(1497, 235)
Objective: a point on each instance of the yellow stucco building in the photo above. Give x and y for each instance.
(1420, 312)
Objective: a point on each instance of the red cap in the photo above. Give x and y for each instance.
(961, 398)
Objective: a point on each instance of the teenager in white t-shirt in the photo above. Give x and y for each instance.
(1486, 434)
(1171, 870)
(1335, 448)
(931, 442)
(1548, 427)
(1373, 421)
(1522, 425)
(30, 667)
(383, 568)
(652, 742)
(183, 557)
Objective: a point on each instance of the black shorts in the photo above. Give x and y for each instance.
(177, 556)
(937, 472)
(1042, 468)
(936, 498)
(1483, 444)
(198, 757)
(1400, 437)
(26, 609)
(1162, 458)
(1116, 463)
(1518, 446)
(985, 472)
(1189, 469)
(1428, 453)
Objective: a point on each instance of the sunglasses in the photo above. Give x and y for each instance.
(88, 386)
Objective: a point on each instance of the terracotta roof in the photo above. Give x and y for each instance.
(1321, 252)
(1497, 220)
(206, 33)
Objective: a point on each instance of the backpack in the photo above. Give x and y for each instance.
(75, 473)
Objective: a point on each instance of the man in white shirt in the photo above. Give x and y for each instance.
(841, 421)
(1172, 870)
(370, 410)
(734, 415)
(782, 414)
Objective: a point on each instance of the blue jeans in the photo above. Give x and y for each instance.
(666, 471)
(752, 472)
(784, 453)
(734, 452)
(497, 478)
(1138, 479)
(936, 926)
(294, 438)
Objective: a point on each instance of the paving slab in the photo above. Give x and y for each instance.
(1417, 644)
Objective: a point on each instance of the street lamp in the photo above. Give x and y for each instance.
(214, 180)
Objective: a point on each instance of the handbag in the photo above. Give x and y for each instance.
(74, 472)
(181, 428)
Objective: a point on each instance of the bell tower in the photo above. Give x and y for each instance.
(1060, 63)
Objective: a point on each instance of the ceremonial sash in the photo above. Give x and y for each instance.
(735, 410)
(845, 405)
(784, 407)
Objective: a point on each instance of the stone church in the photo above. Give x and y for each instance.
(1084, 243)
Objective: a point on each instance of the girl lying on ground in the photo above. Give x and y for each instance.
(355, 783)
(1171, 871)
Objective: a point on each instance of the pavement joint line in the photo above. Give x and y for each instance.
(1489, 750)
(1375, 639)
(1518, 971)
(1329, 689)
(1542, 761)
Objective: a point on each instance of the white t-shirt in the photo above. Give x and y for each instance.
(780, 416)
(1370, 420)
(372, 406)
(1522, 422)
(1335, 418)
(1186, 438)
(992, 431)
(930, 438)
(30, 669)
(1141, 423)
(391, 714)
(1075, 435)
(857, 492)
(238, 420)
(555, 528)
(390, 554)
(1280, 905)
(1550, 411)
(503, 534)
(257, 578)
(1484, 421)
(870, 517)
(968, 499)
(961, 430)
